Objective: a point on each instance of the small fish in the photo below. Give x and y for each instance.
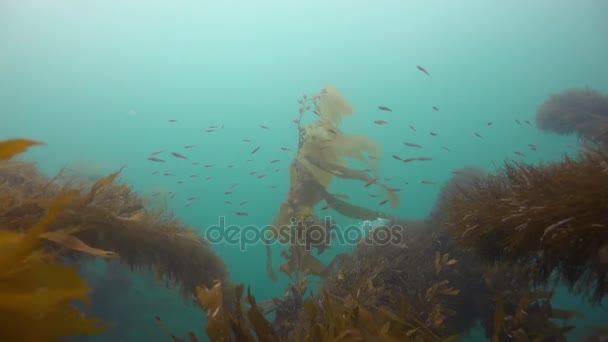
(423, 70)
(517, 121)
(177, 155)
(230, 166)
(478, 135)
(241, 213)
(261, 176)
(253, 172)
(189, 146)
(277, 170)
(213, 126)
(424, 158)
(208, 178)
(158, 160)
(195, 163)
(445, 148)
(155, 194)
(155, 172)
(190, 198)
(383, 202)
(427, 182)
(156, 153)
(384, 108)
(433, 134)
(413, 129)
(243, 203)
(228, 193)
(227, 202)
(180, 182)
(374, 195)
(285, 149)
(397, 157)
(234, 185)
(380, 122)
(520, 154)
(274, 161)
(264, 127)
(436, 108)
(273, 186)
(326, 207)
(167, 174)
(187, 205)
(172, 120)
(409, 160)
(411, 144)
(247, 140)
(255, 150)
(528, 122)
(489, 123)
(532, 147)
(372, 181)
(209, 130)
(208, 165)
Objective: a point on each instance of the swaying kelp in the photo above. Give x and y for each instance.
(108, 220)
(551, 218)
(322, 155)
(36, 292)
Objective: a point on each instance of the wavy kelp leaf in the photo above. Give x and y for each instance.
(212, 300)
(74, 243)
(13, 147)
(261, 326)
(352, 210)
(332, 106)
(105, 181)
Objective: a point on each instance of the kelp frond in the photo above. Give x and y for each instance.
(37, 292)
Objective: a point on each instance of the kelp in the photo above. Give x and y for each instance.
(107, 219)
(230, 322)
(323, 153)
(551, 217)
(13, 147)
(36, 291)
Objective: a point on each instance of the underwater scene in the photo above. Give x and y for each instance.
(265, 170)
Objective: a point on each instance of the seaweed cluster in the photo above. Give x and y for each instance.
(108, 220)
(551, 218)
(580, 111)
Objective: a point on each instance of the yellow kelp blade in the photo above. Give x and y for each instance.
(74, 243)
(19, 251)
(36, 295)
(13, 147)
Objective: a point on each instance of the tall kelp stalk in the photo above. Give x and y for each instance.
(108, 220)
(551, 218)
(36, 291)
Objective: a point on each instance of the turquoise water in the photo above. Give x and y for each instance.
(99, 80)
